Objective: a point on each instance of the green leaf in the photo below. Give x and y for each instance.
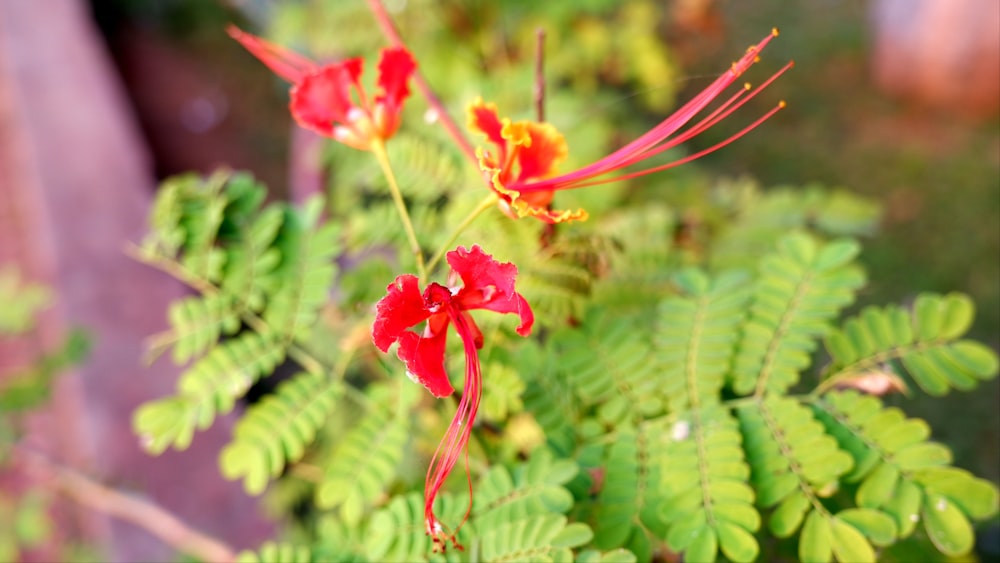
(535, 488)
(703, 547)
(196, 325)
(541, 536)
(837, 254)
(738, 544)
(279, 428)
(928, 316)
(613, 556)
(573, 535)
(958, 314)
(877, 526)
(251, 463)
(946, 525)
(504, 398)
(609, 368)
(921, 456)
(879, 486)
(816, 542)
(789, 515)
(741, 514)
(976, 497)
(799, 290)
(696, 337)
(978, 359)
(894, 437)
(165, 422)
(306, 271)
(272, 552)
(396, 532)
(904, 506)
(364, 462)
(923, 342)
(849, 544)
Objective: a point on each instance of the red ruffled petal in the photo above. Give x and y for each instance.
(323, 98)
(424, 359)
(489, 284)
(285, 63)
(394, 71)
(483, 117)
(402, 307)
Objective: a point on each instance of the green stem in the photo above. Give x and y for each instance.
(483, 206)
(378, 148)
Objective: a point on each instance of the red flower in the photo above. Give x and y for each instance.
(321, 96)
(486, 284)
(522, 169)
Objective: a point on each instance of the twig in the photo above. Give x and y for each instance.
(540, 74)
(389, 30)
(148, 516)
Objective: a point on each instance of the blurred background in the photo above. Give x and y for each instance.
(895, 100)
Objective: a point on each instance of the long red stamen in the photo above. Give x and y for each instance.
(456, 438)
(656, 140)
(722, 112)
(690, 157)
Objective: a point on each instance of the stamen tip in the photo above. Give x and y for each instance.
(747, 86)
(782, 104)
(774, 32)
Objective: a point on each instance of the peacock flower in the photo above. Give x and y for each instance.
(521, 167)
(485, 284)
(330, 100)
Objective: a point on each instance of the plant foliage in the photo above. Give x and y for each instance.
(677, 429)
(693, 386)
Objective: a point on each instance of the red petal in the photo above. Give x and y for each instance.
(489, 284)
(394, 71)
(285, 63)
(424, 359)
(483, 118)
(323, 97)
(401, 308)
(524, 311)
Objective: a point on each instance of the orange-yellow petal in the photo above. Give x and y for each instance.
(517, 205)
(541, 156)
(523, 209)
(516, 133)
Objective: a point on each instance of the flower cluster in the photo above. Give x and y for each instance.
(520, 166)
(485, 284)
(330, 100)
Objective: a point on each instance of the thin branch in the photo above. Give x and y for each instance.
(144, 514)
(378, 149)
(540, 74)
(389, 30)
